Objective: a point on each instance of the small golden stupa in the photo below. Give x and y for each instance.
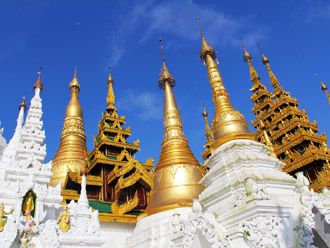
(228, 123)
(177, 175)
(71, 154)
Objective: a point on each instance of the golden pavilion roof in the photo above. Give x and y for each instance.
(281, 125)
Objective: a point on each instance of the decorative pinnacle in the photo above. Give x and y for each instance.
(161, 47)
(110, 79)
(74, 83)
(206, 48)
(199, 27)
(205, 115)
(264, 59)
(324, 88)
(111, 95)
(254, 77)
(246, 55)
(165, 75)
(38, 83)
(23, 103)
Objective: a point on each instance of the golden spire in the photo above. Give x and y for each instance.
(227, 124)
(208, 132)
(324, 88)
(71, 154)
(254, 77)
(23, 103)
(111, 94)
(177, 175)
(38, 83)
(74, 83)
(268, 141)
(273, 79)
(74, 108)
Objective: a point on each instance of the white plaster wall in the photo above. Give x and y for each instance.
(115, 234)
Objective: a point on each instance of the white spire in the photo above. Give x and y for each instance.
(31, 147)
(83, 200)
(3, 143)
(10, 151)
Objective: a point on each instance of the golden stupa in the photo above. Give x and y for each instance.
(177, 175)
(71, 154)
(227, 124)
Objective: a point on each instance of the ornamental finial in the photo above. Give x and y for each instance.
(254, 77)
(208, 135)
(206, 48)
(324, 88)
(274, 81)
(74, 83)
(264, 59)
(111, 95)
(246, 55)
(38, 83)
(165, 75)
(110, 79)
(23, 103)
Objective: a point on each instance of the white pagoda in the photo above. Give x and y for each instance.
(30, 210)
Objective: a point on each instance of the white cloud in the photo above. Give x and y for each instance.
(178, 18)
(146, 106)
(318, 12)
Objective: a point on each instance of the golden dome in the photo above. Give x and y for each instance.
(227, 124)
(177, 175)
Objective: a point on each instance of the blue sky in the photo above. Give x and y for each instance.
(295, 35)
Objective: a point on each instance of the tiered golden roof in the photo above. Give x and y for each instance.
(293, 137)
(118, 184)
(177, 175)
(227, 124)
(72, 151)
(208, 135)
